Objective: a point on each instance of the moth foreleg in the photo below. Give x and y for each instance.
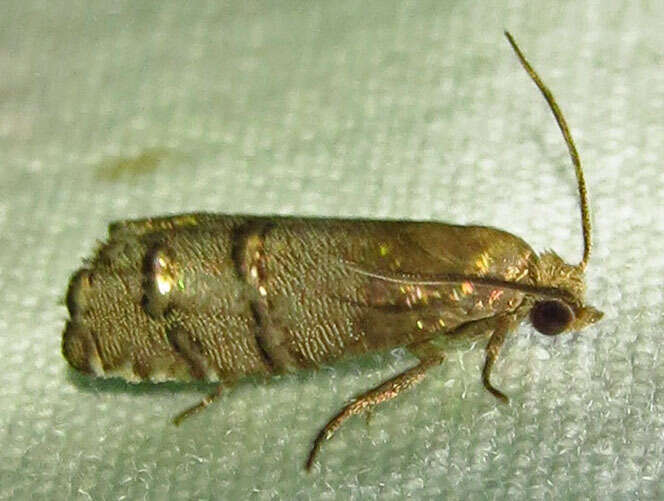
(500, 330)
(198, 407)
(429, 355)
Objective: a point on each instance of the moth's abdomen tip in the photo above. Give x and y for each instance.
(72, 346)
(79, 349)
(78, 345)
(79, 284)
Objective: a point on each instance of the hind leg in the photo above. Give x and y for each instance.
(429, 356)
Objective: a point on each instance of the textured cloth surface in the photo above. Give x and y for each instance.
(366, 109)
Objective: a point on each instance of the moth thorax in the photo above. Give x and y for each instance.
(555, 273)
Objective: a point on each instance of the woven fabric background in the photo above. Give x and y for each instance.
(380, 109)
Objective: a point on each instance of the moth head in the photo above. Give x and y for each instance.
(553, 315)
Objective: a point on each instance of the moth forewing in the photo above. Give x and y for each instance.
(218, 297)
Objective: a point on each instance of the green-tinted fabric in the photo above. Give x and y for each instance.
(366, 109)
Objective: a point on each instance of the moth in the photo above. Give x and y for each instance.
(219, 297)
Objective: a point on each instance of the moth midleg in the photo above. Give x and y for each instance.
(502, 325)
(195, 409)
(429, 356)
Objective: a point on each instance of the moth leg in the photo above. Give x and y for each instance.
(429, 356)
(198, 407)
(496, 341)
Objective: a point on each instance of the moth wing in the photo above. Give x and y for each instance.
(323, 309)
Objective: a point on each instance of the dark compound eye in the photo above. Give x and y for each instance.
(551, 317)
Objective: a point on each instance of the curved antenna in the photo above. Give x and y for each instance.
(564, 128)
(437, 279)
